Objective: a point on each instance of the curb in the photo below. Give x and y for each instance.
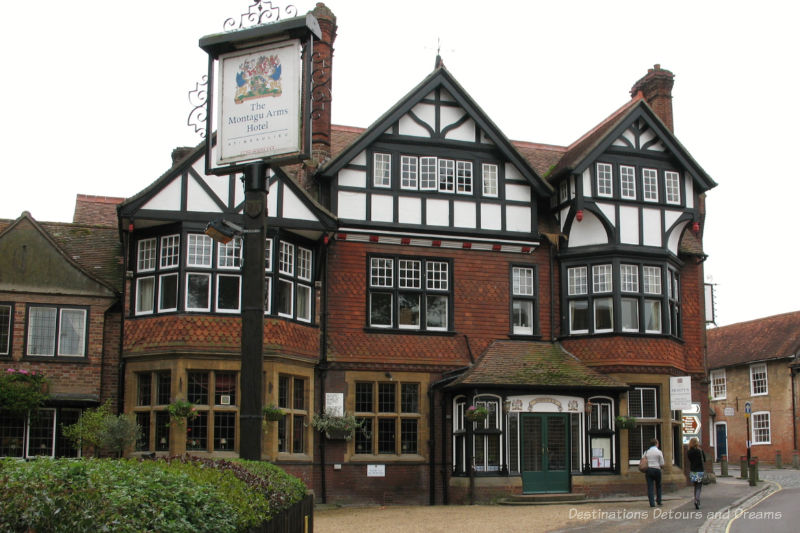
(720, 523)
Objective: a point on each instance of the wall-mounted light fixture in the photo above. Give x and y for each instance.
(224, 231)
(579, 215)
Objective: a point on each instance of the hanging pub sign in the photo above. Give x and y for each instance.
(263, 94)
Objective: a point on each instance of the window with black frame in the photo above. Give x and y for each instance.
(600, 427)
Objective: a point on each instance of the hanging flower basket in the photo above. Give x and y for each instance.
(273, 413)
(181, 410)
(334, 426)
(22, 391)
(476, 414)
(626, 422)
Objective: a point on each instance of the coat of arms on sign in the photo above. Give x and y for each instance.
(258, 78)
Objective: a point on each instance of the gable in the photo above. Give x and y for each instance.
(30, 261)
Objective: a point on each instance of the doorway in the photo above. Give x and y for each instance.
(544, 443)
(721, 439)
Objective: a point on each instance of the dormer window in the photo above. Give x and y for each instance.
(627, 182)
(382, 171)
(650, 184)
(672, 186)
(489, 172)
(604, 180)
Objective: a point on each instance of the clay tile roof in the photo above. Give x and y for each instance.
(342, 137)
(773, 337)
(540, 364)
(542, 157)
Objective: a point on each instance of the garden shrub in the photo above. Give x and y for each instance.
(127, 495)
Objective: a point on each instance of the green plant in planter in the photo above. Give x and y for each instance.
(22, 390)
(273, 413)
(476, 414)
(626, 422)
(181, 410)
(335, 426)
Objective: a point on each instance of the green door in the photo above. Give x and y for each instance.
(545, 452)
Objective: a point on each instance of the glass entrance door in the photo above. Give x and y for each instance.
(544, 442)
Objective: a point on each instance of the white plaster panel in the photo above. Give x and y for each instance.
(587, 183)
(465, 132)
(272, 199)
(197, 199)
(464, 214)
(512, 173)
(446, 96)
(199, 166)
(491, 216)
(437, 212)
(587, 232)
(518, 218)
(674, 238)
(563, 217)
(360, 159)
(294, 208)
(382, 208)
(670, 216)
(519, 193)
(352, 205)
(629, 225)
(426, 113)
(168, 199)
(657, 147)
(609, 211)
(689, 190)
(219, 184)
(651, 221)
(646, 137)
(409, 210)
(408, 126)
(349, 177)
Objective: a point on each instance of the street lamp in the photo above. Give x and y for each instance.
(264, 103)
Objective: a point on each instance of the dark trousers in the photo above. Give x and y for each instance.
(653, 477)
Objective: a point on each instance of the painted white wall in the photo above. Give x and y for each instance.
(609, 212)
(293, 207)
(465, 132)
(519, 193)
(352, 205)
(651, 225)
(219, 184)
(408, 126)
(587, 183)
(491, 216)
(438, 212)
(409, 210)
(197, 199)
(674, 239)
(688, 191)
(464, 214)
(512, 173)
(382, 208)
(629, 225)
(587, 232)
(169, 199)
(349, 177)
(518, 218)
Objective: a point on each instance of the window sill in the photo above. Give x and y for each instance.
(387, 458)
(393, 331)
(57, 358)
(287, 457)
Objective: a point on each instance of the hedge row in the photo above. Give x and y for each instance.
(128, 495)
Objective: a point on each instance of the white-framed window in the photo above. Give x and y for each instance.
(463, 177)
(522, 301)
(578, 316)
(672, 186)
(428, 176)
(268, 295)
(382, 170)
(6, 312)
(56, 331)
(198, 291)
(719, 385)
(229, 293)
(629, 314)
(627, 182)
(168, 292)
(629, 278)
(229, 255)
(603, 314)
(761, 429)
(418, 299)
(758, 380)
(146, 255)
(601, 278)
(604, 180)
(489, 174)
(268, 255)
(652, 279)
(145, 295)
(286, 259)
(304, 263)
(303, 303)
(643, 402)
(285, 300)
(408, 172)
(650, 184)
(563, 191)
(487, 449)
(577, 281)
(198, 250)
(652, 316)
(447, 174)
(170, 251)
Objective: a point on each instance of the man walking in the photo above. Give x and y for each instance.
(655, 460)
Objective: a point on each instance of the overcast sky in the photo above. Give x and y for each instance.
(93, 98)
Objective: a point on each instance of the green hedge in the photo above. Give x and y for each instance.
(127, 495)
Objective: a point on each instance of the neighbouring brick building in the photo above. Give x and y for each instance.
(60, 315)
(422, 267)
(755, 362)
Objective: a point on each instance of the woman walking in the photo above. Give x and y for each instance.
(696, 460)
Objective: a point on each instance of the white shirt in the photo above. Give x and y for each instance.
(655, 459)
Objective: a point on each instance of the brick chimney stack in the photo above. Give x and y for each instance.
(656, 87)
(322, 82)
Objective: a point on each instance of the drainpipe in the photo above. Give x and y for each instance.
(431, 449)
(794, 370)
(445, 446)
(322, 366)
(552, 294)
(121, 380)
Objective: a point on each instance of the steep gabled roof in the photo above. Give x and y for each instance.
(440, 77)
(773, 337)
(588, 147)
(533, 364)
(77, 258)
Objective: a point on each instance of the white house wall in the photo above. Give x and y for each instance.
(588, 232)
(629, 225)
(651, 219)
(168, 198)
(197, 199)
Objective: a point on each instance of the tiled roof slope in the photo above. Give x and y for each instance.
(773, 337)
(96, 249)
(96, 210)
(540, 364)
